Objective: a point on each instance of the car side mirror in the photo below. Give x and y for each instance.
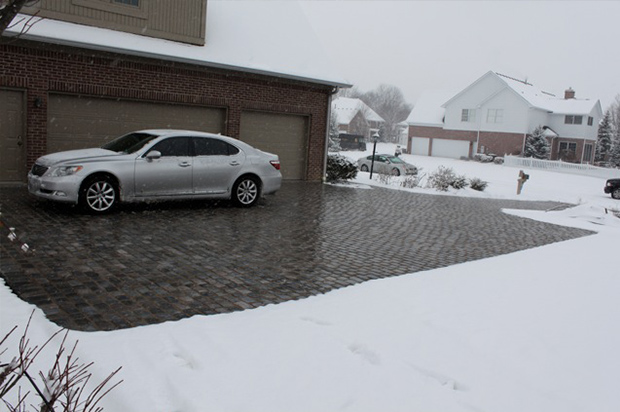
(153, 155)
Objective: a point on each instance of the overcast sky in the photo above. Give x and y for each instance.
(419, 45)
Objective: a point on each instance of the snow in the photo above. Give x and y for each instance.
(530, 331)
(346, 109)
(242, 34)
(428, 110)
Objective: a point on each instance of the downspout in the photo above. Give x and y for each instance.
(479, 118)
(329, 115)
(583, 150)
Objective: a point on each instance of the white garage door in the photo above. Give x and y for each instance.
(419, 146)
(450, 148)
(77, 122)
(283, 134)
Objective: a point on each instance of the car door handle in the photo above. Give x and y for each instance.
(234, 163)
(184, 164)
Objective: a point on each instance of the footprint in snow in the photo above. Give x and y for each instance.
(368, 355)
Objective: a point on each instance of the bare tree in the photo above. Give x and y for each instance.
(389, 103)
(10, 8)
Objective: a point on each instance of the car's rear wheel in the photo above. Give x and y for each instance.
(395, 172)
(364, 168)
(99, 194)
(246, 191)
(616, 193)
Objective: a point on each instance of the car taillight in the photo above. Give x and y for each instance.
(275, 163)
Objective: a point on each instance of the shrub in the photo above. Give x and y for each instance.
(441, 178)
(483, 158)
(386, 179)
(478, 184)
(340, 168)
(411, 181)
(444, 178)
(498, 160)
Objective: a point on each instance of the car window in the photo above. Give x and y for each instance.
(395, 159)
(213, 147)
(382, 159)
(129, 143)
(174, 146)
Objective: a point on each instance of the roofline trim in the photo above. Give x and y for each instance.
(176, 59)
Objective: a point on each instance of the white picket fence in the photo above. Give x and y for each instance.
(562, 167)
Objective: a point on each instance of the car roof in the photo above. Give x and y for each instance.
(195, 133)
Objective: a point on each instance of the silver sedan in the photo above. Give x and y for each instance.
(387, 164)
(157, 165)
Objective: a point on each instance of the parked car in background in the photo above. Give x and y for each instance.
(387, 164)
(157, 165)
(613, 186)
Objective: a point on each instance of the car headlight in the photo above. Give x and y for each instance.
(65, 171)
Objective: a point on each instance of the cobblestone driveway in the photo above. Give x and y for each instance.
(154, 263)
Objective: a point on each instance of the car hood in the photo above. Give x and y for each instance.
(74, 156)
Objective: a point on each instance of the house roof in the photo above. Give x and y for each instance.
(428, 110)
(547, 101)
(346, 109)
(264, 37)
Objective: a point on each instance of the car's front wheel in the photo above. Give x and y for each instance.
(616, 193)
(246, 191)
(99, 194)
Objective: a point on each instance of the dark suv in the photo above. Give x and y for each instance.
(613, 186)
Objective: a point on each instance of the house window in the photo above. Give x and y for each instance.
(590, 120)
(567, 151)
(468, 115)
(573, 119)
(134, 3)
(587, 153)
(133, 8)
(495, 116)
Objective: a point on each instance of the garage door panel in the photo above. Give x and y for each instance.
(283, 134)
(419, 146)
(77, 122)
(450, 148)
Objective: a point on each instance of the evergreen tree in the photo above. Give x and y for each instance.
(537, 145)
(604, 139)
(614, 155)
(334, 134)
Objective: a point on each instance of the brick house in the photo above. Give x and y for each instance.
(495, 114)
(92, 70)
(355, 117)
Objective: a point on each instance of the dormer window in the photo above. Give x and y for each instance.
(468, 115)
(590, 120)
(573, 119)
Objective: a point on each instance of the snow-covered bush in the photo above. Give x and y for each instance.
(441, 178)
(478, 184)
(444, 178)
(498, 160)
(386, 179)
(483, 158)
(411, 181)
(340, 168)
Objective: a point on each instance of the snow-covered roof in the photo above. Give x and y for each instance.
(346, 108)
(265, 37)
(546, 101)
(428, 110)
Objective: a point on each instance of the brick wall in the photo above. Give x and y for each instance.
(40, 69)
(490, 142)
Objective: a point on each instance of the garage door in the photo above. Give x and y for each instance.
(12, 137)
(283, 134)
(450, 148)
(419, 146)
(80, 122)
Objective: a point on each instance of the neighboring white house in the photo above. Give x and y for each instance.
(355, 117)
(495, 114)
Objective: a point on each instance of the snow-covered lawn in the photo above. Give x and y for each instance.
(535, 330)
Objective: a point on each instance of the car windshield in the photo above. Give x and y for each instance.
(395, 159)
(129, 143)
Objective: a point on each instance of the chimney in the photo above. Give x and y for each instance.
(569, 93)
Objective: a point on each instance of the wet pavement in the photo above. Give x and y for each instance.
(152, 263)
